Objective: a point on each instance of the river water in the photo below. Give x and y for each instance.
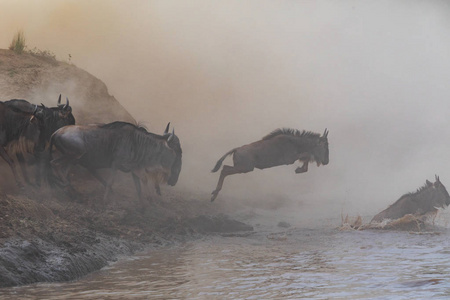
(295, 263)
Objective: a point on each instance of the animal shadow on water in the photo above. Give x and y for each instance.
(280, 147)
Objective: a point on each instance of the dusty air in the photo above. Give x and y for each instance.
(224, 149)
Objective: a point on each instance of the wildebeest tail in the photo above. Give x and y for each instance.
(51, 178)
(219, 162)
(50, 149)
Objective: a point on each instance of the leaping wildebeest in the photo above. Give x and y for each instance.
(119, 146)
(52, 118)
(281, 147)
(426, 199)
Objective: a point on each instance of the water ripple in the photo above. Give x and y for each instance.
(313, 264)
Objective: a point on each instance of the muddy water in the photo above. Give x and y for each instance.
(312, 263)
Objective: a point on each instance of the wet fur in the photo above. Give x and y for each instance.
(425, 200)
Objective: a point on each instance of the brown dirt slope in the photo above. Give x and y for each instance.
(41, 78)
(47, 235)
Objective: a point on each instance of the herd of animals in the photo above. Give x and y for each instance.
(36, 132)
(27, 128)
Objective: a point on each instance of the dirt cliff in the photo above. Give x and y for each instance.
(45, 235)
(40, 78)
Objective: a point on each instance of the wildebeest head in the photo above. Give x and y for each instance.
(442, 198)
(56, 117)
(65, 113)
(174, 143)
(320, 151)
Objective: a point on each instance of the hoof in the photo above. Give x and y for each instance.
(214, 196)
(299, 170)
(20, 186)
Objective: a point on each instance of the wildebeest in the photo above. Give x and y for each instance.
(426, 199)
(19, 127)
(281, 147)
(53, 118)
(119, 146)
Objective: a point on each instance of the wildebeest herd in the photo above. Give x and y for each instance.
(38, 132)
(27, 128)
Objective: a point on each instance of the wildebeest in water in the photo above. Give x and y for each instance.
(426, 199)
(281, 147)
(52, 118)
(119, 146)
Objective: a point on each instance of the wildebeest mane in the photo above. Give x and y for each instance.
(423, 188)
(291, 132)
(121, 124)
(117, 125)
(53, 121)
(139, 140)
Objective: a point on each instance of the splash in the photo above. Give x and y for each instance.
(409, 222)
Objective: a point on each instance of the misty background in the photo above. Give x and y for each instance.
(226, 73)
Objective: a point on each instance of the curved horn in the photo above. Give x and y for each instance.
(43, 106)
(169, 136)
(325, 133)
(67, 103)
(167, 128)
(436, 177)
(59, 100)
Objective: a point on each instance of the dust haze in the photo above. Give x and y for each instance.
(226, 73)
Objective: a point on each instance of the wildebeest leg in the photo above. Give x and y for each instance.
(158, 190)
(110, 183)
(137, 184)
(11, 164)
(42, 167)
(62, 167)
(303, 168)
(97, 176)
(157, 175)
(227, 170)
(21, 160)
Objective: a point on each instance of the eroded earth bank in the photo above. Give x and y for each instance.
(46, 235)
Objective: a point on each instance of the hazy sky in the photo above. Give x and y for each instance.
(225, 73)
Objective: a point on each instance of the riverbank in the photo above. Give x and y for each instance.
(47, 237)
